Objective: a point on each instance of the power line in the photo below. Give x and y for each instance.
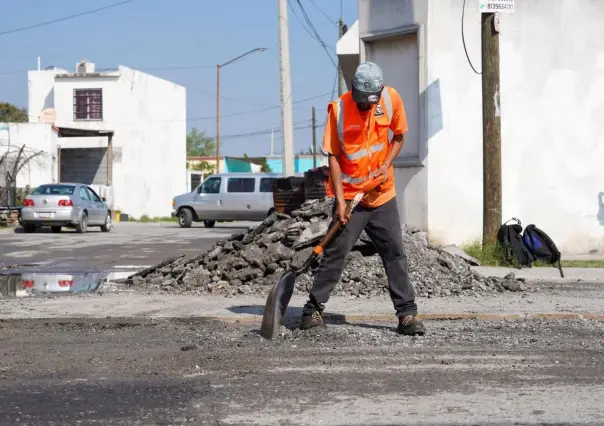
(65, 18)
(463, 39)
(300, 20)
(12, 72)
(298, 126)
(324, 13)
(254, 111)
(176, 67)
(166, 68)
(315, 34)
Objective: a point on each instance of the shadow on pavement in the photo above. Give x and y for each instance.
(293, 314)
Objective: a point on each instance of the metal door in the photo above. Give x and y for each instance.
(240, 199)
(208, 199)
(86, 203)
(84, 165)
(100, 212)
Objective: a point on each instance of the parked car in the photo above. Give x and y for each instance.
(226, 197)
(71, 205)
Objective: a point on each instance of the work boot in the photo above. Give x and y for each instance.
(313, 320)
(410, 326)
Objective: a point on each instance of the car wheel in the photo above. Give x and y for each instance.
(55, 229)
(107, 226)
(209, 223)
(29, 228)
(82, 224)
(185, 218)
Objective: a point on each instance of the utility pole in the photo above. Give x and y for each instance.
(217, 119)
(314, 138)
(341, 83)
(491, 128)
(287, 130)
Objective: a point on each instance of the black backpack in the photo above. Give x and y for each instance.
(541, 246)
(511, 244)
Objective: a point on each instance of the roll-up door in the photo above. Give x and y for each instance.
(84, 165)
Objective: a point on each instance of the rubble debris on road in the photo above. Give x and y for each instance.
(251, 262)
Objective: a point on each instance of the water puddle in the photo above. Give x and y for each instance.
(53, 284)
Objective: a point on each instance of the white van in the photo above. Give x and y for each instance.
(227, 197)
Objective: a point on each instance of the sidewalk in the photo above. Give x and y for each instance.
(549, 274)
(578, 300)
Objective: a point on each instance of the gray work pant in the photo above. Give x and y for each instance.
(382, 225)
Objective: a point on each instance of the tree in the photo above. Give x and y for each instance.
(12, 160)
(11, 114)
(265, 168)
(198, 145)
(307, 151)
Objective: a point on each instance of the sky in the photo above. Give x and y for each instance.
(182, 41)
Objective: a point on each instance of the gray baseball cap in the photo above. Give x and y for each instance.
(367, 83)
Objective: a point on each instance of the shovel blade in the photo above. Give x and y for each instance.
(276, 304)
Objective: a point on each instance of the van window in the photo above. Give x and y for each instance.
(210, 186)
(241, 184)
(266, 184)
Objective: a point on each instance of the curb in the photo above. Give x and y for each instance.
(353, 319)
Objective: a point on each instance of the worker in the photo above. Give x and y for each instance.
(356, 141)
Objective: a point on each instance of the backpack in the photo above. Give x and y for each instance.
(541, 246)
(510, 242)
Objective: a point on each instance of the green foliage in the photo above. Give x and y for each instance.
(489, 255)
(307, 151)
(12, 114)
(22, 193)
(146, 219)
(198, 145)
(265, 168)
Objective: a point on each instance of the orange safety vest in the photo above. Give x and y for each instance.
(363, 149)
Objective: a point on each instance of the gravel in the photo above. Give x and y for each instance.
(251, 262)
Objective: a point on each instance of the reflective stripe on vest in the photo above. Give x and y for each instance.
(340, 124)
(352, 180)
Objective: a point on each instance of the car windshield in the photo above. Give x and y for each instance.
(54, 190)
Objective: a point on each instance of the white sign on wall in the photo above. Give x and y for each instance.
(492, 6)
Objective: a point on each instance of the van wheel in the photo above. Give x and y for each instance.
(185, 218)
(209, 223)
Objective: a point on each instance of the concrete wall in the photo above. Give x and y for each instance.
(392, 34)
(552, 80)
(552, 113)
(37, 138)
(148, 117)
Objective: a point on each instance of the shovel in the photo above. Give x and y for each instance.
(281, 293)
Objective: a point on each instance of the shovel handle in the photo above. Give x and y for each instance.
(337, 225)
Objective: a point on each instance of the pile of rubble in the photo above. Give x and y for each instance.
(251, 262)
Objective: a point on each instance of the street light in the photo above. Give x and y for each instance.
(218, 67)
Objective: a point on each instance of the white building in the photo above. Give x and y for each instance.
(39, 145)
(122, 131)
(552, 80)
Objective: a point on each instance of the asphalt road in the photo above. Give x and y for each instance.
(175, 372)
(128, 246)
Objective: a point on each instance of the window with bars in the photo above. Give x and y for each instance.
(88, 104)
